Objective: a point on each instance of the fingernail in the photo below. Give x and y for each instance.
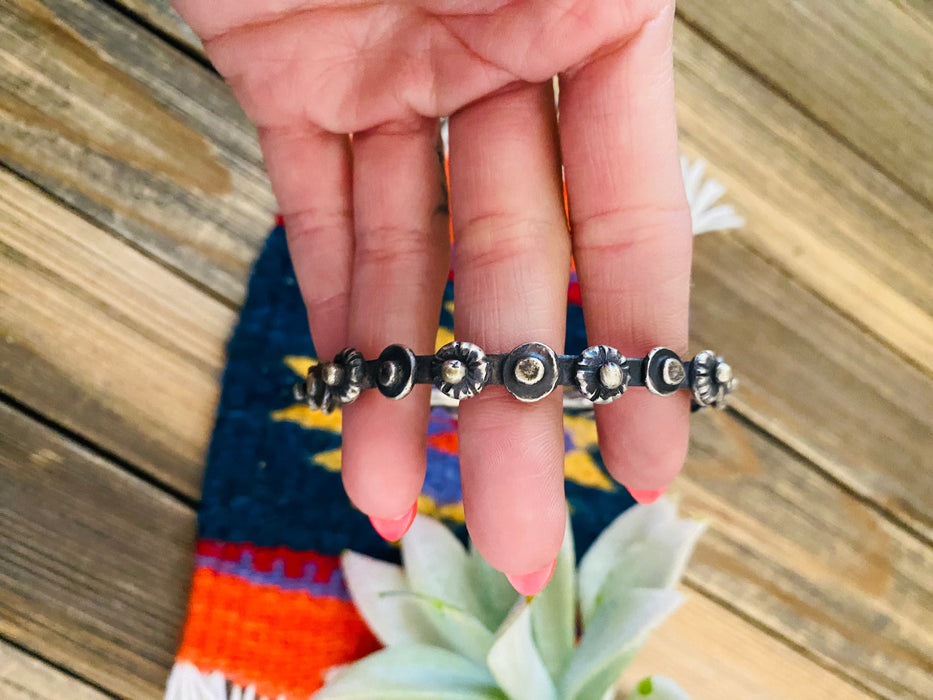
(646, 496)
(392, 529)
(533, 583)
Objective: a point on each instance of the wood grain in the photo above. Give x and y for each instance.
(95, 564)
(716, 655)
(814, 208)
(159, 14)
(862, 67)
(793, 551)
(134, 134)
(23, 677)
(813, 380)
(105, 341)
(103, 595)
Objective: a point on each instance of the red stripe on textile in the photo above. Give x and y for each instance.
(573, 293)
(264, 558)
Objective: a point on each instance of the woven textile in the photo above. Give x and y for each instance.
(269, 612)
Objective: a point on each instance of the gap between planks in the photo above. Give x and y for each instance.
(856, 67)
(26, 676)
(801, 107)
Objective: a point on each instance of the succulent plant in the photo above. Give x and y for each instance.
(454, 629)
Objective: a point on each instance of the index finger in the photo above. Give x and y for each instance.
(632, 241)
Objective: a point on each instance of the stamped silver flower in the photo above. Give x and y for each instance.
(460, 369)
(711, 380)
(601, 374)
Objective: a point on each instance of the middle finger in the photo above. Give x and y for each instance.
(512, 262)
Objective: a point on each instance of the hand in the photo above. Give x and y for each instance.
(368, 230)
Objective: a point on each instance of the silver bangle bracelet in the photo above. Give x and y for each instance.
(530, 372)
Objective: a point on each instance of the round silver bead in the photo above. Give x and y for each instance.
(610, 375)
(723, 373)
(453, 371)
(331, 373)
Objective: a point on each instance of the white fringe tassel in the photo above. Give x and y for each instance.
(702, 194)
(186, 682)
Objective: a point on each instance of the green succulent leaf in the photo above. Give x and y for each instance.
(459, 630)
(612, 547)
(553, 611)
(658, 688)
(656, 562)
(515, 662)
(618, 628)
(437, 565)
(495, 593)
(674, 544)
(393, 619)
(412, 672)
(603, 683)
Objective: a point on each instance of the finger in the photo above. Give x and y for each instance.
(400, 268)
(310, 173)
(632, 242)
(512, 265)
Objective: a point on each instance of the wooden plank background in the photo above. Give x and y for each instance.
(133, 201)
(23, 677)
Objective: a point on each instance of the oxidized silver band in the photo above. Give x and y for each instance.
(530, 372)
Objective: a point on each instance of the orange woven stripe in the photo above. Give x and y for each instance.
(279, 641)
(445, 442)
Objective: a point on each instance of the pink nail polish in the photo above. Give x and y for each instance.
(646, 496)
(392, 529)
(533, 583)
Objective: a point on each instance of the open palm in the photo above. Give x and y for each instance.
(367, 223)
